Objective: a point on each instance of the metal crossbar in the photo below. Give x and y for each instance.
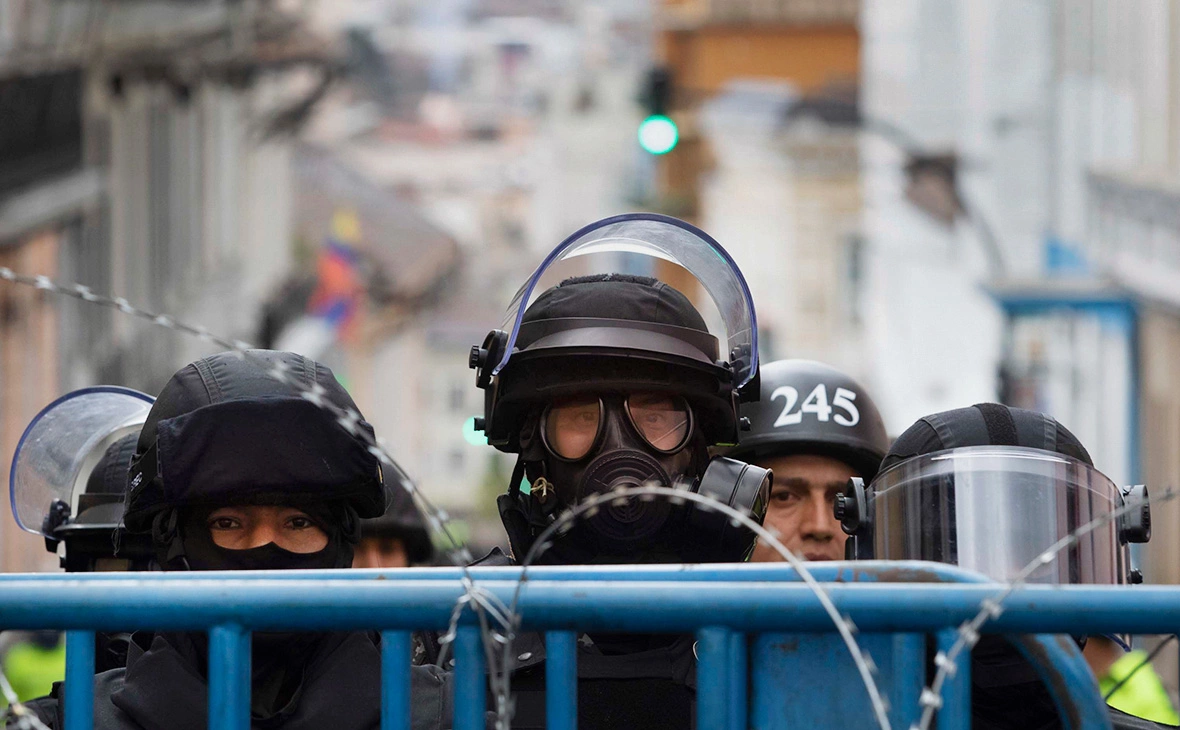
(723, 606)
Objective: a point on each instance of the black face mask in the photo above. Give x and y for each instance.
(265, 557)
(201, 553)
(278, 657)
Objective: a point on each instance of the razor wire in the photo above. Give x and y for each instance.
(499, 622)
(25, 720)
(482, 602)
(349, 419)
(677, 496)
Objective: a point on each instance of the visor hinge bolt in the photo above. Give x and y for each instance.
(478, 357)
(1135, 577)
(851, 508)
(841, 507)
(744, 423)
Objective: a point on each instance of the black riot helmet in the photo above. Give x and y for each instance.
(69, 476)
(989, 488)
(401, 521)
(229, 429)
(68, 482)
(628, 353)
(811, 408)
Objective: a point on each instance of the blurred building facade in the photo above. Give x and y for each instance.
(784, 199)
(1065, 120)
(1069, 155)
(1120, 82)
(145, 155)
(506, 126)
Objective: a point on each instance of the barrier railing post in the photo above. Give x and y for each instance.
(229, 678)
(79, 701)
(738, 681)
(470, 679)
(713, 677)
(561, 680)
(955, 713)
(395, 680)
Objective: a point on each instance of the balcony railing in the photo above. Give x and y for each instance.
(692, 13)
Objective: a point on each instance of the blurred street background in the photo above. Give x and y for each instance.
(954, 201)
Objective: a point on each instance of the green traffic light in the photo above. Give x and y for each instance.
(472, 436)
(658, 134)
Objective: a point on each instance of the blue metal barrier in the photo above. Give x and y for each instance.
(892, 604)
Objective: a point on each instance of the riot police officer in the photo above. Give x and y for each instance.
(396, 539)
(236, 470)
(989, 488)
(69, 478)
(607, 381)
(815, 428)
(68, 482)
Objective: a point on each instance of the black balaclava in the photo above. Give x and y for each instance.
(224, 432)
(337, 520)
(278, 658)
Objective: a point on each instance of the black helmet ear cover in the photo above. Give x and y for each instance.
(167, 540)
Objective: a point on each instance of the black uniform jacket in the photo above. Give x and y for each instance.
(162, 689)
(644, 682)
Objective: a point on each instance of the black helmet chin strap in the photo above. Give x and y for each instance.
(525, 516)
(515, 512)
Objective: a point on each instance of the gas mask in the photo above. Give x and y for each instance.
(583, 446)
(611, 379)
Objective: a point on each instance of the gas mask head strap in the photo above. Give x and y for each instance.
(517, 477)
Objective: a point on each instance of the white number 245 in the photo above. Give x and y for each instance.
(817, 403)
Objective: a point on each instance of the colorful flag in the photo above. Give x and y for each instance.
(339, 292)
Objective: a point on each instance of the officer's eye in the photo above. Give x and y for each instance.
(661, 419)
(586, 418)
(571, 426)
(224, 523)
(300, 523)
(784, 497)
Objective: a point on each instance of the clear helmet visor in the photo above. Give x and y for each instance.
(995, 510)
(62, 445)
(666, 239)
